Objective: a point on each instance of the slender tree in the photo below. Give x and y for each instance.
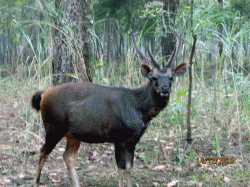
(220, 29)
(189, 130)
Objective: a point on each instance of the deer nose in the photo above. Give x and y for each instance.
(165, 89)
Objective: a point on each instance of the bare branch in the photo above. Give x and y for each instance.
(192, 51)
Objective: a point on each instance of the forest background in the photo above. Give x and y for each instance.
(45, 43)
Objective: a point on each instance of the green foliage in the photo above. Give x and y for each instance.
(145, 159)
(99, 77)
(152, 16)
(177, 107)
(210, 16)
(241, 6)
(236, 79)
(125, 12)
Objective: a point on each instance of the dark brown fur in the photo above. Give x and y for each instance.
(85, 112)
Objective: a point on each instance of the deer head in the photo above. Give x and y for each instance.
(161, 77)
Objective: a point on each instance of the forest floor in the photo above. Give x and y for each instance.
(162, 157)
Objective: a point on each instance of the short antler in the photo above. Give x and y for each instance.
(152, 60)
(155, 64)
(176, 49)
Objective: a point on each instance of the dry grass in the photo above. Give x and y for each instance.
(162, 155)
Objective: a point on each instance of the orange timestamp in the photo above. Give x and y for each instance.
(215, 160)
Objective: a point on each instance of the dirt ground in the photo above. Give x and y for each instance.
(162, 157)
(157, 162)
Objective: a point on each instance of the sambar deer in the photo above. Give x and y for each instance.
(86, 112)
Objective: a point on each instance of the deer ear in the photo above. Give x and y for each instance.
(180, 70)
(146, 71)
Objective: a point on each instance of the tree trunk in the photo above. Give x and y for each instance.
(73, 49)
(190, 76)
(168, 42)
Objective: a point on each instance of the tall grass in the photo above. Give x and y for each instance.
(220, 101)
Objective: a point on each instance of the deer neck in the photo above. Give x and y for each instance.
(150, 103)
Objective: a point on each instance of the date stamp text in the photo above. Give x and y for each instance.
(216, 161)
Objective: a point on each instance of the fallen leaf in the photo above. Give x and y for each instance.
(95, 153)
(178, 169)
(53, 174)
(91, 167)
(193, 164)
(143, 167)
(4, 181)
(225, 179)
(169, 169)
(55, 180)
(171, 143)
(200, 184)
(61, 149)
(21, 176)
(210, 169)
(168, 147)
(15, 105)
(160, 167)
(156, 184)
(172, 184)
(171, 133)
(239, 160)
(3, 169)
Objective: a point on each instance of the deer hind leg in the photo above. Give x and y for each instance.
(50, 142)
(69, 157)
